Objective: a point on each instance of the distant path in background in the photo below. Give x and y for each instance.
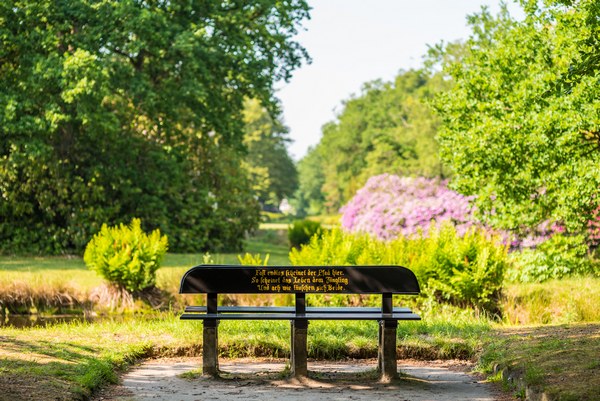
(247, 379)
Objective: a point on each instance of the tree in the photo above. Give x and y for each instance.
(272, 170)
(309, 197)
(521, 121)
(387, 129)
(121, 109)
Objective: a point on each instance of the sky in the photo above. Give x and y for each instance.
(356, 41)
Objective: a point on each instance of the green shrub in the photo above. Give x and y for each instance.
(301, 231)
(461, 270)
(560, 256)
(126, 256)
(253, 260)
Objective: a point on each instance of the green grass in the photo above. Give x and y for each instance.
(429, 339)
(568, 300)
(38, 270)
(560, 360)
(76, 358)
(35, 283)
(274, 226)
(67, 361)
(73, 359)
(274, 221)
(34, 264)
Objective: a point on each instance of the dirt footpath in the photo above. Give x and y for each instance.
(161, 380)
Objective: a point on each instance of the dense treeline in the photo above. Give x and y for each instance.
(389, 128)
(119, 109)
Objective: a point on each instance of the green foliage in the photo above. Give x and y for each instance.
(120, 109)
(301, 232)
(126, 256)
(253, 259)
(309, 198)
(464, 271)
(521, 121)
(558, 257)
(270, 167)
(387, 129)
(467, 270)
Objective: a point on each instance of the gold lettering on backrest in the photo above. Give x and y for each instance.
(288, 280)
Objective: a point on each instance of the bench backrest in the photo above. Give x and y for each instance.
(232, 279)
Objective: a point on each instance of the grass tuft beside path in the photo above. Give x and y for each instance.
(562, 361)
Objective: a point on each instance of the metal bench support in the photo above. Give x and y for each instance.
(210, 340)
(386, 354)
(299, 353)
(298, 349)
(388, 366)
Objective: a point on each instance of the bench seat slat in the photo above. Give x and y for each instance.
(291, 309)
(293, 316)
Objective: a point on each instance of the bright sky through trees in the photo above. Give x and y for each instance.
(355, 41)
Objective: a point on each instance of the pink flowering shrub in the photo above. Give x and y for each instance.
(536, 236)
(389, 206)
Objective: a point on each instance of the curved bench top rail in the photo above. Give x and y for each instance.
(232, 279)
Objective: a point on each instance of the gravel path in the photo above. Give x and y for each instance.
(160, 380)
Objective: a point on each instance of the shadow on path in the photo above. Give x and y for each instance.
(161, 380)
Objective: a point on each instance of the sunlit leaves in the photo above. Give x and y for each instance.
(521, 117)
(115, 109)
(388, 128)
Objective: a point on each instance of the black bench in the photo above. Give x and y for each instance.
(299, 280)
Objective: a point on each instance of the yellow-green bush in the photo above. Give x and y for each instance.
(461, 270)
(126, 256)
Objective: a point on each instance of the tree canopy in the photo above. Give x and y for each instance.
(387, 129)
(272, 171)
(117, 109)
(522, 119)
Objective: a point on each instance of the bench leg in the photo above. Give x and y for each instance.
(210, 348)
(298, 352)
(380, 348)
(387, 364)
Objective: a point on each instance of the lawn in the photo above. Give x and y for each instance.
(63, 284)
(27, 268)
(68, 361)
(549, 338)
(563, 361)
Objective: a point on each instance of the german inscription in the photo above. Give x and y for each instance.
(300, 280)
